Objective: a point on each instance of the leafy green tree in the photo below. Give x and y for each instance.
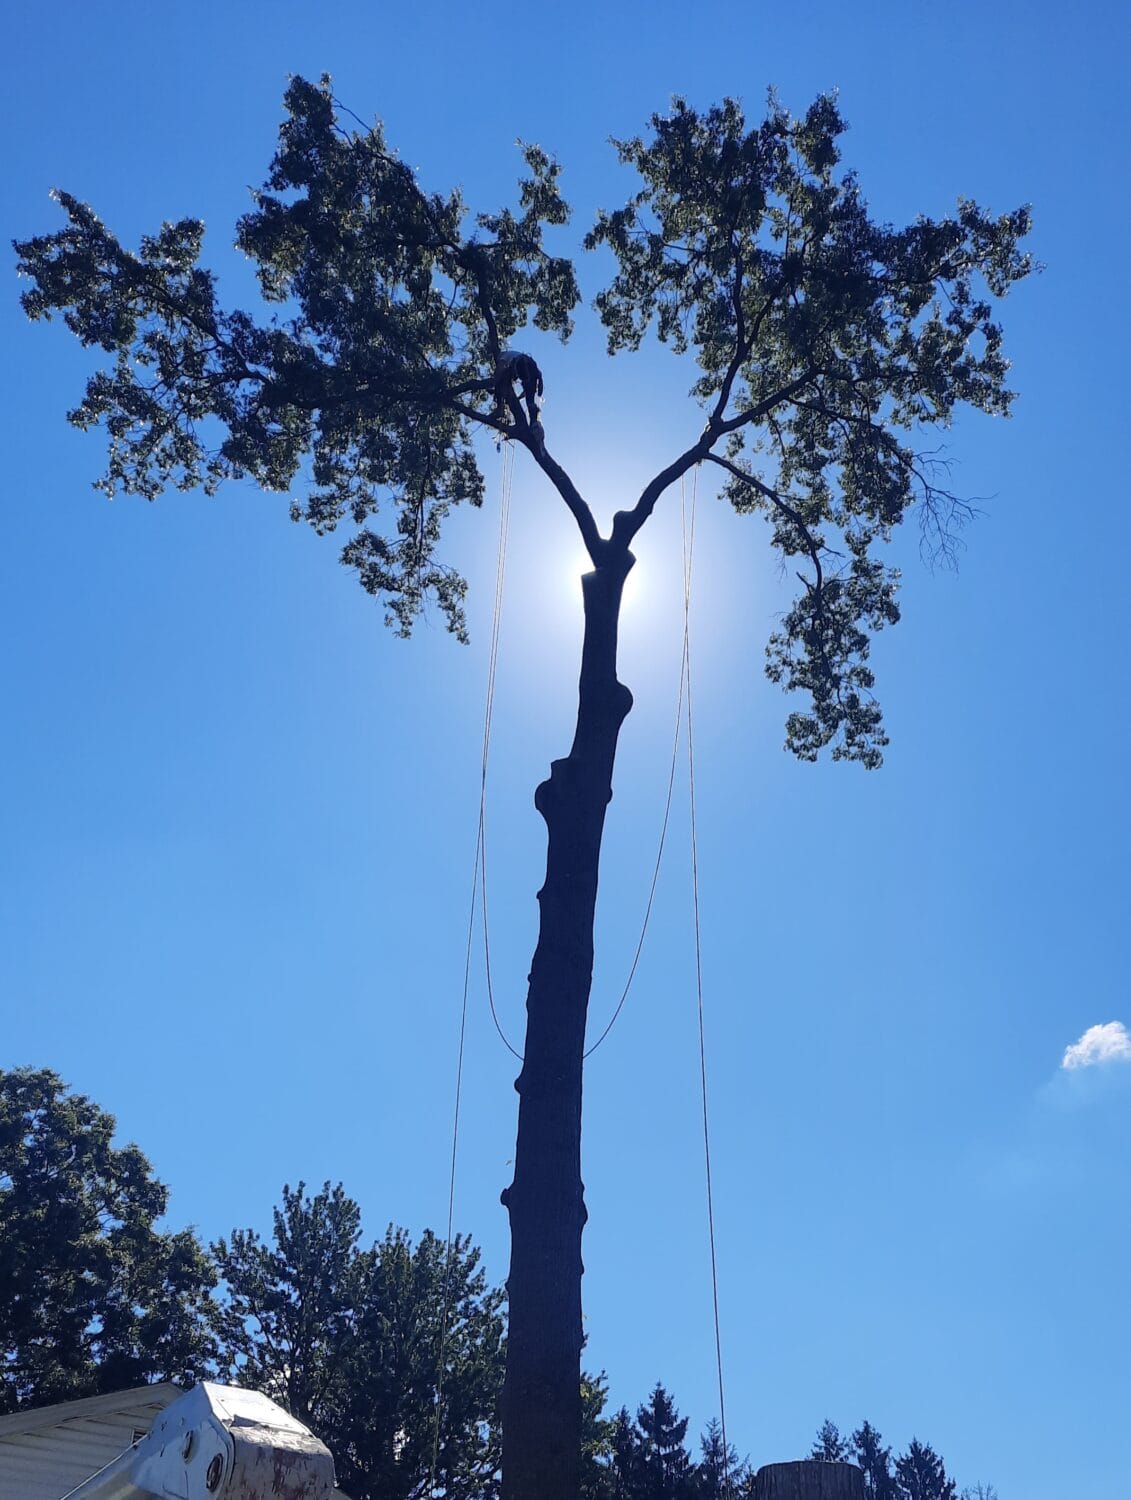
(826, 345)
(351, 1341)
(93, 1296)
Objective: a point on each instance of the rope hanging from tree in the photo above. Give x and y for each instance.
(479, 894)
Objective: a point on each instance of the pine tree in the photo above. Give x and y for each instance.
(714, 1479)
(921, 1475)
(830, 1447)
(352, 1342)
(868, 1451)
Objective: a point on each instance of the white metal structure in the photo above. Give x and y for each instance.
(47, 1450)
(218, 1442)
(209, 1443)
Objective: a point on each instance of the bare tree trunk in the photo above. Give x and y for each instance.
(809, 1479)
(541, 1406)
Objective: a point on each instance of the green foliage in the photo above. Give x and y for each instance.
(649, 1459)
(93, 1297)
(825, 342)
(918, 1474)
(391, 317)
(350, 1341)
(827, 345)
(829, 1447)
(921, 1475)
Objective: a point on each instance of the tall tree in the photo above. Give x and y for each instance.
(351, 1341)
(825, 344)
(93, 1295)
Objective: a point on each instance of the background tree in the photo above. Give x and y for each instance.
(869, 1452)
(288, 1316)
(650, 1459)
(917, 1474)
(596, 1438)
(93, 1296)
(420, 1311)
(716, 1479)
(829, 1447)
(921, 1474)
(825, 343)
(350, 1341)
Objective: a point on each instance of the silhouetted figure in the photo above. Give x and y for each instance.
(515, 366)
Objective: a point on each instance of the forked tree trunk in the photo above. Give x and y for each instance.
(541, 1407)
(810, 1479)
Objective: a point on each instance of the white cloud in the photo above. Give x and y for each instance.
(1109, 1042)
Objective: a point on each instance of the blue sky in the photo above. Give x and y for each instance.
(241, 816)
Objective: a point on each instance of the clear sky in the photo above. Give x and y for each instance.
(239, 816)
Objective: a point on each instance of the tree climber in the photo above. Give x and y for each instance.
(514, 365)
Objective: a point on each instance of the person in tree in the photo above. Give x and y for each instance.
(514, 367)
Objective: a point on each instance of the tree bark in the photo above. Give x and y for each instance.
(541, 1402)
(809, 1479)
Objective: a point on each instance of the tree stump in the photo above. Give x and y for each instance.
(809, 1479)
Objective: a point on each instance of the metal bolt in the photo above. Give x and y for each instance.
(215, 1474)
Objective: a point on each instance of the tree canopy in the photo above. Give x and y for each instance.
(353, 1342)
(826, 343)
(93, 1295)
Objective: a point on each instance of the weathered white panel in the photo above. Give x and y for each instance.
(61, 1446)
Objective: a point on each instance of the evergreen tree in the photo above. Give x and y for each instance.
(351, 1341)
(650, 1459)
(714, 1479)
(93, 1296)
(869, 1453)
(918, 1474)
(596, 1439)
(921, 1475)
(830, 1447)
(288, 1319)
(416, 1310)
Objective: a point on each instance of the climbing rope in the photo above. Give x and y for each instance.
(482, 848)
(688, 532)
(492, 660)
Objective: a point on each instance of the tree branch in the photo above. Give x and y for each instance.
(627, 523)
